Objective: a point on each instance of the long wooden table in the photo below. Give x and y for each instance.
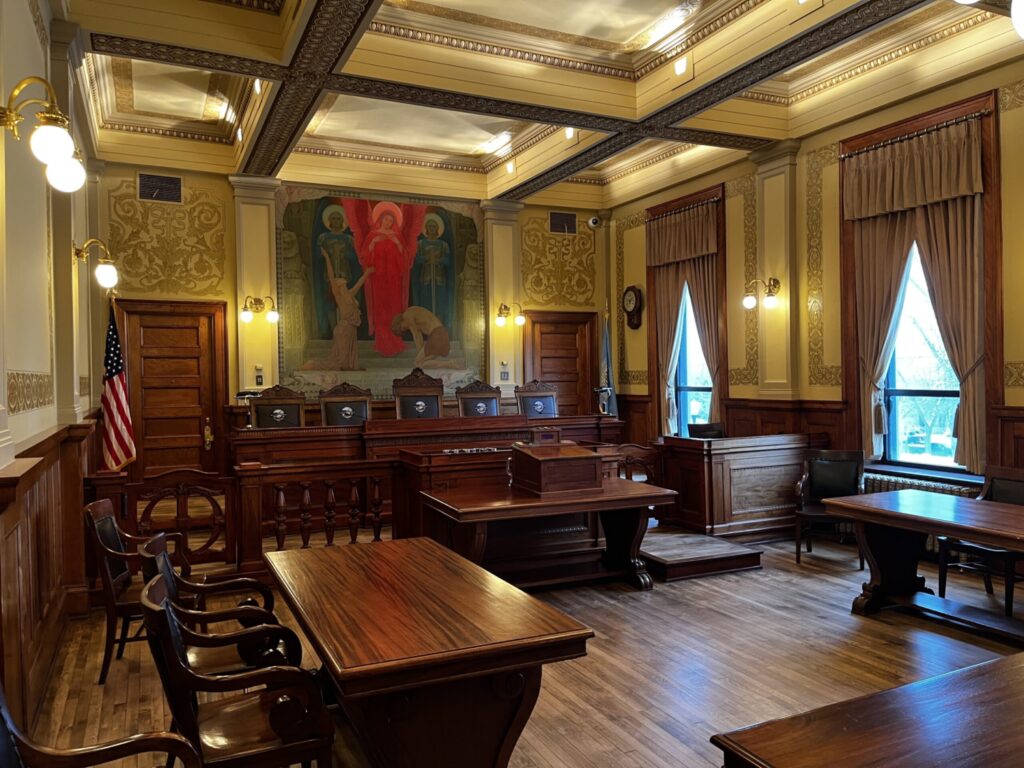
(436, 662)
(892, 529)
(969, 719)
(459, 518)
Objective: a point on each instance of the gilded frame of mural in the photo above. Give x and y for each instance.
(370, 286)
(746, 186)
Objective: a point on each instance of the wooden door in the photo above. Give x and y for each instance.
(176, 363)
(560, 348)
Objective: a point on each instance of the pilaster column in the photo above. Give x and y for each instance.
(65, 54)
(502, 249)
(98, 301)
(6, 443)
(778, 341)
(256, 259)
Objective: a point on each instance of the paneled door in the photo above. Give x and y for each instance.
(176, 363)
(560, 348)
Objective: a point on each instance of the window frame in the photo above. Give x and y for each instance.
(679, 385)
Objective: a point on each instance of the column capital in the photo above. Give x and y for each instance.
(780, 153)
(501, 210)
(255, 186)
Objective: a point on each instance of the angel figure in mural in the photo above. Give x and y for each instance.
(428, 333)
(336, 247)
(431, 284)
(385, 239)
(345, 350)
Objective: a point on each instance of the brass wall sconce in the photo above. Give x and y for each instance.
(771, 293)
(51, 140)
(106, 272)
(254, 305)
(504, 311)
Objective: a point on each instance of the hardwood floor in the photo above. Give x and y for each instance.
(666, 670)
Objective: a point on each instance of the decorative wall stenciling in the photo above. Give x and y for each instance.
(167, 248)
(558, 269)
(1014, 373)
(1011, 96)
(634, 377)
(83, 385)
(28, 391)
(819, 374)
(632, 221)
(40, 25)
(746, 187)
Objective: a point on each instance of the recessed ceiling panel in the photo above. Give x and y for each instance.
(170, 90)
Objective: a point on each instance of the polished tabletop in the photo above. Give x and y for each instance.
(392, 614)
(480, 503)
(984, 522)
(969, 718)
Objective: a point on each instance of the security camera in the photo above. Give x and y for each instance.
(593, 222)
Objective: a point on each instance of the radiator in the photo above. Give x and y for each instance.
(877, 483)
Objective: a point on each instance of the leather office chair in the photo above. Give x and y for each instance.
(116, 555)
(1002, 484)
(826, 474)
(706, 431)
(418, 396)
(345, 405)
(18, 751)
(277, 407)
(478, 399)
(282, 722)
(537, 400)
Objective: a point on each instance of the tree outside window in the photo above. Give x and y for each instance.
(693, 379)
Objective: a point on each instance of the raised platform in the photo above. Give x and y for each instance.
(673, 554)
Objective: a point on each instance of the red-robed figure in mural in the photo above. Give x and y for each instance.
(385, 236)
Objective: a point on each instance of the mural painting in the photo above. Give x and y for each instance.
(370, 288)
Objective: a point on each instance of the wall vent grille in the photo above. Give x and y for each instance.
(162, 189)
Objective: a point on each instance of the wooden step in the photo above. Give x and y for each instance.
(672, 554)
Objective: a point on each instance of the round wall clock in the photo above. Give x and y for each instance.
(632, 305)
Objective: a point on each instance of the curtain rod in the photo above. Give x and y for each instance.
(915, 134)
(685, 208)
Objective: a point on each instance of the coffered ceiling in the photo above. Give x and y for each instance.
(481, 91)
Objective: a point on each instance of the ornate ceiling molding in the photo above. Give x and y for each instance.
(308, 149)
(269, 6)
(187, 57)
(708, 138)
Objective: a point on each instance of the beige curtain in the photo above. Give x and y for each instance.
(949, 239)
(881, 247)
(702, 278)
(673, 240)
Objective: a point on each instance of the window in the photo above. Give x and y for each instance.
(693, 380)
(921, 389)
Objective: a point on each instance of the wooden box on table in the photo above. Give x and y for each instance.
(555, 468)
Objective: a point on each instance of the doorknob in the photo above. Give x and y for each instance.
(208, 435)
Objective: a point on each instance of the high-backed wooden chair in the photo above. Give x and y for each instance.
(478, 399)
(418, 396)
(1002, 484)
(639, 462)
(116, 556)
(273, 717)
(345, 405)
(277, 407)
(826, 474)
(537, 400)
(706, 431)
(18, 751)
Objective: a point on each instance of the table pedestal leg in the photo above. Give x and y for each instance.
(623, 532)
(469, 540)
(474, 722)
(893, 555)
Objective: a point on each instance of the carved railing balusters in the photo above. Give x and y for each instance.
(376, 502)
(354, 512)
(329, 504)
(305, 515)
(280, 515)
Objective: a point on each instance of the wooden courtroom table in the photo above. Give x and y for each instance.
(969, 719)
(459, 518)
(436, 662)
(892, 528)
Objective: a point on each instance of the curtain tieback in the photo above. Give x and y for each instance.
(879, 417)
(972, 369)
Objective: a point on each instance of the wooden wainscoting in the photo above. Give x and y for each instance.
(750, 417)
(638, 419)
(1010, 436)
(42, 560)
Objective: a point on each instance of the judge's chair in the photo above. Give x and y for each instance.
(706, 431)
(537, 400)
(17, 751)
(478, 399)
(277, 407)
(826, 474)
(1005, 485)
(418, 396)
(345, 405)
(265, 718)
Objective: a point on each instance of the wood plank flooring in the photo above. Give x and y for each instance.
(666, 670)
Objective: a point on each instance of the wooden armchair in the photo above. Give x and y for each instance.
(17, 751)
(1005, 485)
(277, 407)
(639, 462)
(345, 405)
(418, 396)
(116, 556)
(826, 474)
(271, 717)
(478, 399)
(537, 400)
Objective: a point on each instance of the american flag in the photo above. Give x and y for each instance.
(118, 438)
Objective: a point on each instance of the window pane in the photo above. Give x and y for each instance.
(921, 429)
(694, 407)
(920, 359)
(697, 374)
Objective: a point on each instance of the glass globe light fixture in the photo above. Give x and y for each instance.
(51, 143)
(749, 301)
(273, 316)
(67, 175)
(106, 274)
(245, 315)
